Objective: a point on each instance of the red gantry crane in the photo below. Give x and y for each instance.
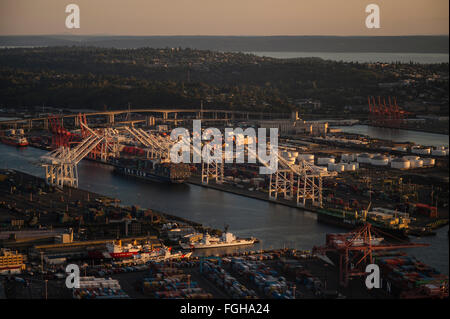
(353, 251)
(386, 114)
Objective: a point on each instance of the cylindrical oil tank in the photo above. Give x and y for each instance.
(399, 149)
(400, 163)
(428, 161)
(411, 157)
(364, 158)
(438, 152)
(416, 163)
(347, 157)
(379, 160)
(350, 167)
(325, 160)
(306, 157)
(420, 150)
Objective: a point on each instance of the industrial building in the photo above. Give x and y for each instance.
(295, 125)
(11, 261)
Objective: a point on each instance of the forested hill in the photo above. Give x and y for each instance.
(92, 77)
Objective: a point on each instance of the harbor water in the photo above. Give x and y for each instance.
(277, 226)
(397, 135)
(362, 57)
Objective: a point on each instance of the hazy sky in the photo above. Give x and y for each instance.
(224, 17)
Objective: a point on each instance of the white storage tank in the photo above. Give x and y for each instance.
(11, 132)
(364, 158)
(401, 163)
(20, 131)
(428, 161)
(399, 149)
(325, 160)
(380, 160)
(421, 151)
(411, 157)
(416, 163)
(350, 167)
(306, 157)
(438, 152)
(347, 157)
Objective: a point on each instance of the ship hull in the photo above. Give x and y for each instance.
(146, 176)
(220, 245)
(107, 255)
(13, 143)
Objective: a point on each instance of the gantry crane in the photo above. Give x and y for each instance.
(61, 164)
(354, 250)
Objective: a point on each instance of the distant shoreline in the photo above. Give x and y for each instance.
(438, 44)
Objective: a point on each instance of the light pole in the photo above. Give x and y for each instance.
(46, 289)
(42, 261)
(189, 281)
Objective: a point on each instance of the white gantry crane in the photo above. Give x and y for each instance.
(157, 146)
(61, 164)
(211, 167)
(305, 176)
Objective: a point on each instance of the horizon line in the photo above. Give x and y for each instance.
(206, 35)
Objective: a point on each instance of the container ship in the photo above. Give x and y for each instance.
(396, 227)
(153, 170)
(14, 138)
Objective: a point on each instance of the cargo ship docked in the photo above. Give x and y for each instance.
(396, 227)
(227, 239)
(153, 170)
(117, 250)
(14, 138)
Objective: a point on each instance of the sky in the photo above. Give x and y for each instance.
(225, 17)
